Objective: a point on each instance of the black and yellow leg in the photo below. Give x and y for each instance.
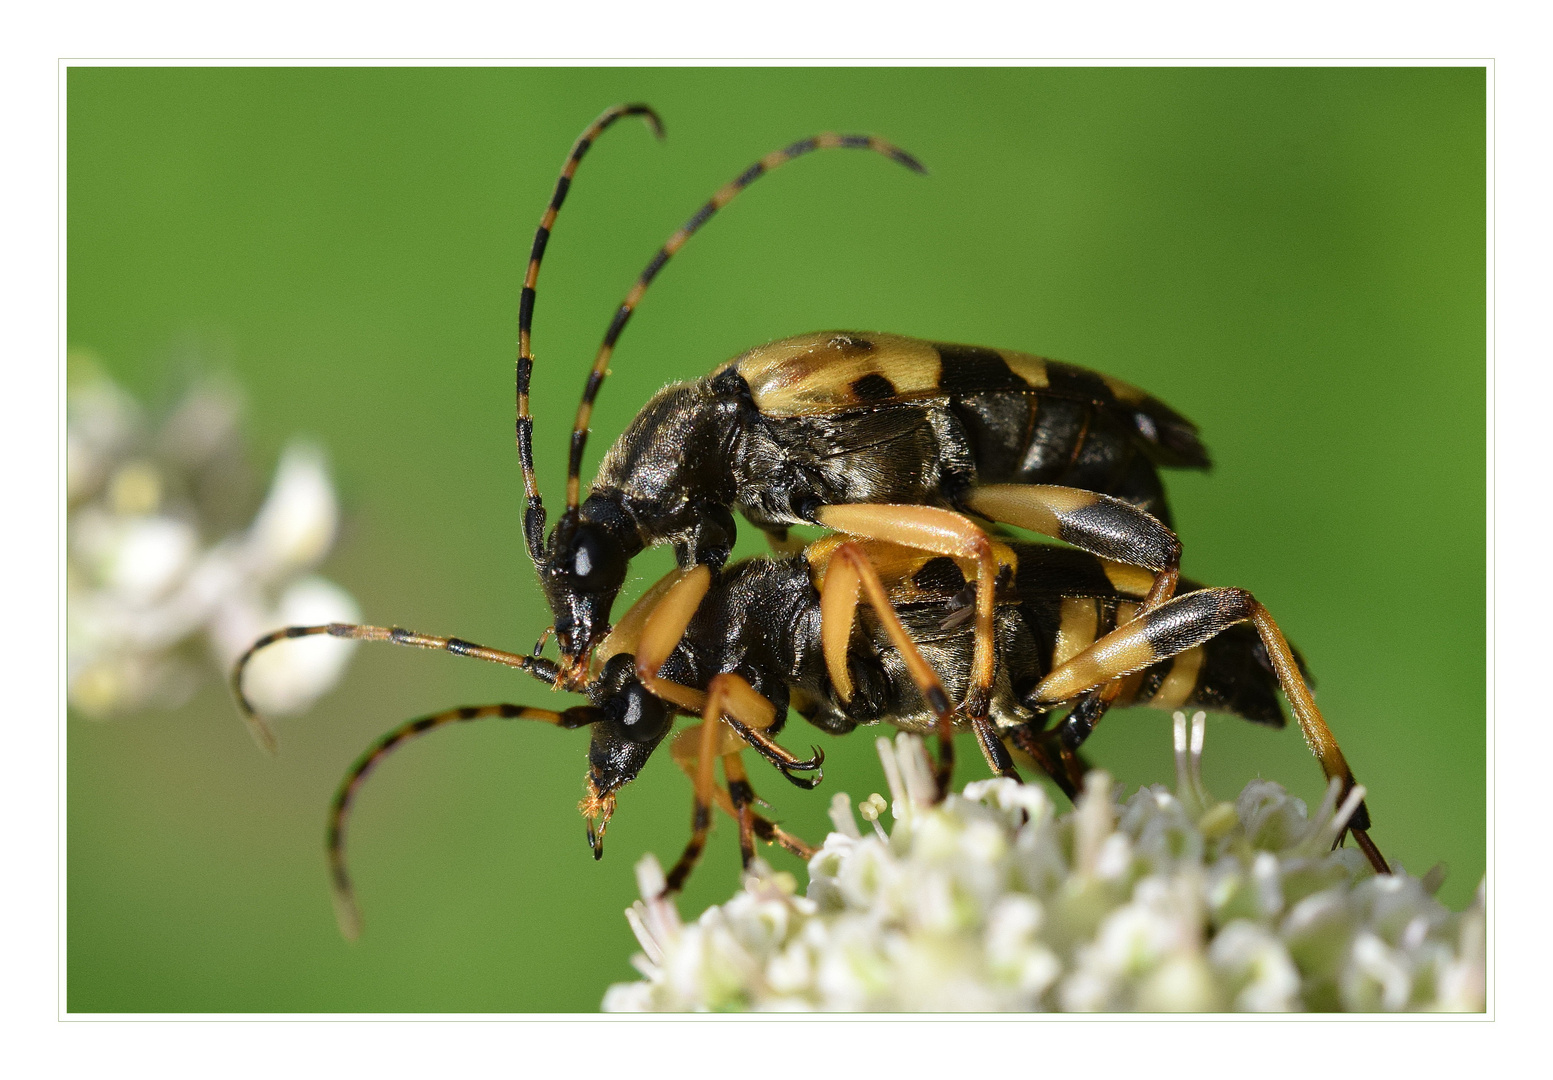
(742, 796)
(696, 750)
(709, 739)
(942, 532)
(737, 801)
(768, 831)
(749, 713)
(1066, 767)
(1186, 622)
(541, 669)
(626, 635)
(339, 812)
(1103, 526)
(663, 630)
(849, 573)
(1080, 722)
(1098, 524)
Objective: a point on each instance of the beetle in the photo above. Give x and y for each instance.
(890, 442)
(854, 432)
(741, 646)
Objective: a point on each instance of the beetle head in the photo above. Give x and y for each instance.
(634, 723)
(582, 571)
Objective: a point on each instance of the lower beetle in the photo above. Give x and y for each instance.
(739, 647)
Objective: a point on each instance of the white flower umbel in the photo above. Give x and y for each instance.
(157, 560)
(994, 901)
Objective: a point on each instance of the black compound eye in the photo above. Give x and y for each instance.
(637, 715)
(597, 562)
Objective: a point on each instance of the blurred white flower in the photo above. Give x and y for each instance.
(158, 562)
(992, 901)
(296, 524)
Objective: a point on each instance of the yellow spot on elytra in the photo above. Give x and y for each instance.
(814, 373)
(1032, 369)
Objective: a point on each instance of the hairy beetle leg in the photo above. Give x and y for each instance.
(849, 573)
(695, 750)
(1102, 525)
(1190, 620)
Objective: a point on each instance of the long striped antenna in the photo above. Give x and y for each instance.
(345, 908)
(543, 670)
(534, 510)
(725, 194)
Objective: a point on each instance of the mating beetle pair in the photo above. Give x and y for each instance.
(893, 444)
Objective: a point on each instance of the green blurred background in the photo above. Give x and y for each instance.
(1295, 258)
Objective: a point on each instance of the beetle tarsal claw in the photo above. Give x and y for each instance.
(809, 782)
(811, 765)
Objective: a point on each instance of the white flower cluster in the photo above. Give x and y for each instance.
(154, 561)
(992, 901)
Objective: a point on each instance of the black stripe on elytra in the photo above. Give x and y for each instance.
(968, 369)
(873, 387)
(1070, 381)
